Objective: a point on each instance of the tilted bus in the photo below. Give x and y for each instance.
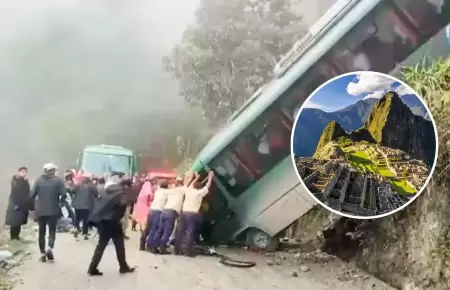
(256, 194)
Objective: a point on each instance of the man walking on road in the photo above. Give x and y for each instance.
(83, 202)
(47, 192)
(106, 216)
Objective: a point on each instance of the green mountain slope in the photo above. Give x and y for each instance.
(390, 123)
(331, 132)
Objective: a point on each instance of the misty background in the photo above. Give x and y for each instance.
(74, 73)
(79, 72)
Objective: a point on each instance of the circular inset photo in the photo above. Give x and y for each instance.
(364, 145)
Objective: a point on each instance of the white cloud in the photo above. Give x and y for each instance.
(376, 95)
(313, 105)
(369, 83)
(402, 90)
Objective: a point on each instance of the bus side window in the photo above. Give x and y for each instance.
(258, 149)
(382, 39)
(271, 137)
(231, 172)
(428, 16)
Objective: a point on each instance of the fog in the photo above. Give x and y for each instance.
(74, 73)
(80, 72)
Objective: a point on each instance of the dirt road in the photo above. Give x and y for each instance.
(172, 272)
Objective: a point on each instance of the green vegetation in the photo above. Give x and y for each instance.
(401, 186)
(362, 162)
(429, 80)
(378, 116)
(331, 132)
(433, 83)
(344, 141)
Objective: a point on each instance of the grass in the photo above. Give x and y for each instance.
(362, 162)
(401, 186)
(433, 83)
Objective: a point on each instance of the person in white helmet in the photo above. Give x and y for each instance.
(47, 192)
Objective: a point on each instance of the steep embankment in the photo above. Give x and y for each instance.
(392, 124)
(409, 249)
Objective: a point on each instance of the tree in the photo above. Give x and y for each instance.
(230, 51)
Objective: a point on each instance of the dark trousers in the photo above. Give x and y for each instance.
(189, 224)
(70, 212)
(108, 230)
(198, 229)
(82, 216)
(43, 222)
(151, 229)
(165, 227)
(14, 232)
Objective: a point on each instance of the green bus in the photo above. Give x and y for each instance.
(256, 193)
(104, 159)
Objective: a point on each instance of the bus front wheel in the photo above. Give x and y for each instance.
(261, 241)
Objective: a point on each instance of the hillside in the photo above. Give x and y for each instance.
(313, 121)
(331, 132)
(409, 249)
(331, 150)
(392, 124)
(335, 134)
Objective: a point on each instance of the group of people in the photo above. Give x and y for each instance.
(168, 212)
(94, 205)
(174, 210)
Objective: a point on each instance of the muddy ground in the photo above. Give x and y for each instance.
(290, 269)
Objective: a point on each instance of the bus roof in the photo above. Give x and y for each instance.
(108, 149)
(276, 87)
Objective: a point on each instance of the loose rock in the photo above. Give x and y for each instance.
(305, 268)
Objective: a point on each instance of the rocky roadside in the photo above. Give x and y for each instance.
(12, 255)
(318, 264)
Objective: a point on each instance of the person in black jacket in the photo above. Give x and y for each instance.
(106, 216)
(84, 196)
(47, 192)
(19, 203)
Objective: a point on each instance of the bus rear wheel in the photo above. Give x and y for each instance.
(261, 241)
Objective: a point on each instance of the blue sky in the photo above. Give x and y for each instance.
(347, 90)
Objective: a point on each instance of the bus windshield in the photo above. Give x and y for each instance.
(101, 163)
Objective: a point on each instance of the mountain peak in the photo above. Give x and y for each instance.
(331, 132)
(392, 123)
(393, 98)
(389, 104)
